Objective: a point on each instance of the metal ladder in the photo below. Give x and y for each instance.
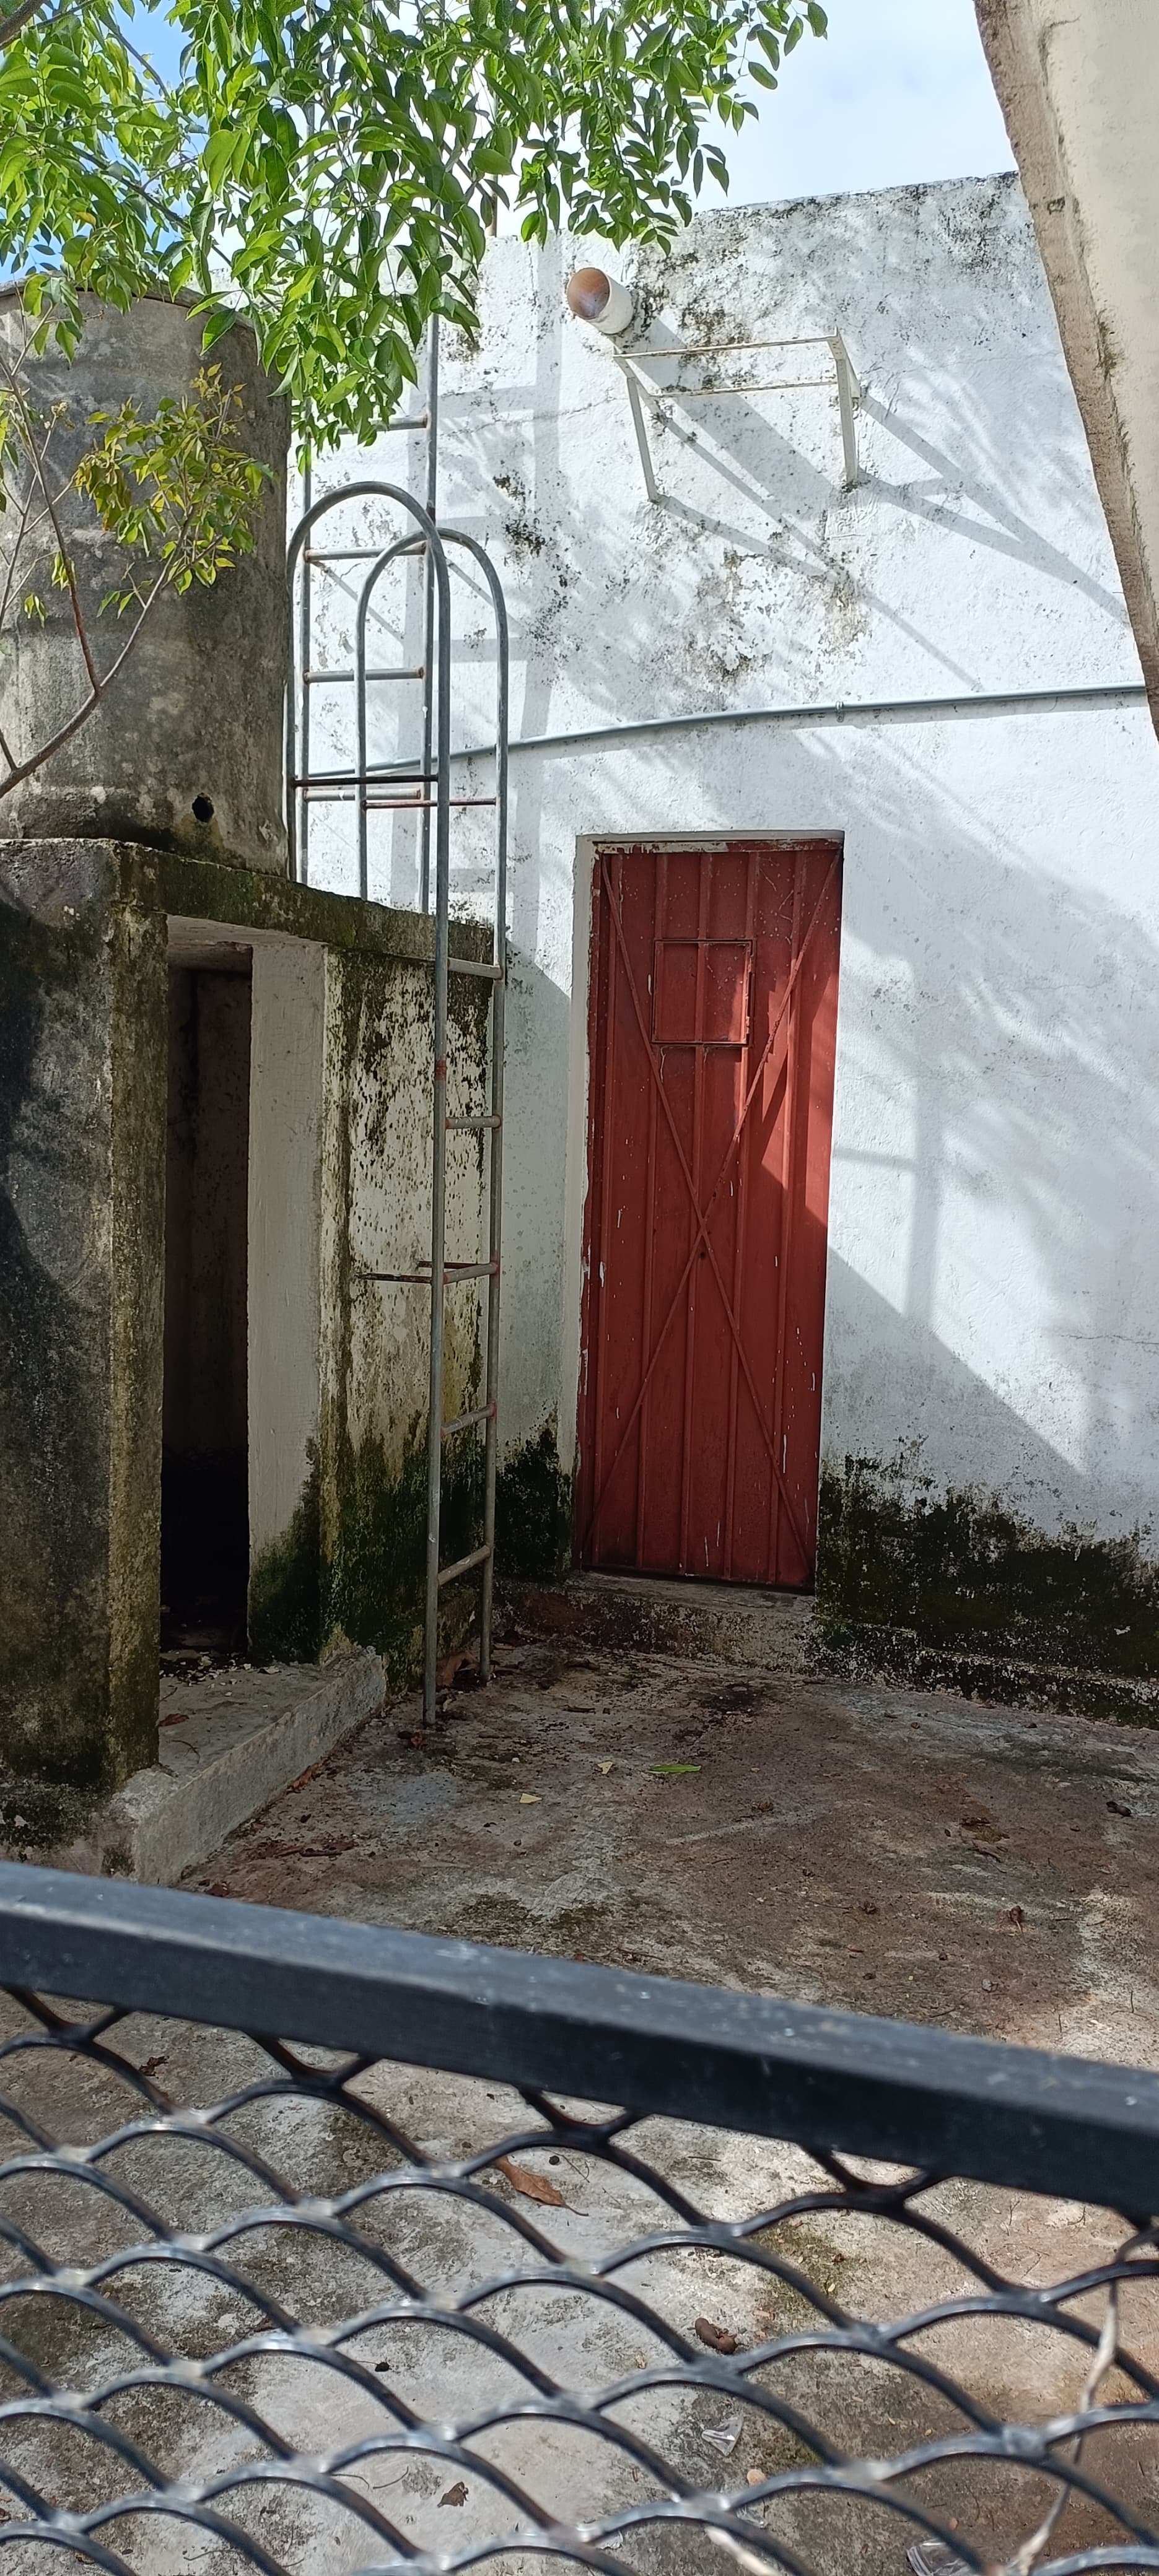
(372, 788)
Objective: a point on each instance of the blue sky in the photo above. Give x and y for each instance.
(898, 90)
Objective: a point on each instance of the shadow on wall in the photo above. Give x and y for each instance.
(992, 1418)
(754, 570)
(1009, 1015)
(991, 1331)
(991, 1326)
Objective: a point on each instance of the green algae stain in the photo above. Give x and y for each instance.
(285, 1594)
(533, 1504)
(961, 1571)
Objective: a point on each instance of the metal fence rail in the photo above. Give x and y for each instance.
(328, 2247)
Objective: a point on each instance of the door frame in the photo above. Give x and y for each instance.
(577, 1178)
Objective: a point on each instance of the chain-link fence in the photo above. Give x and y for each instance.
(324, 2250)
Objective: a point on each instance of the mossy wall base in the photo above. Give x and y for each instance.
(533, 1512)
(956, 1590)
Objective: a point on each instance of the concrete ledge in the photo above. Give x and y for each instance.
(228, 1741)
(768, 1630)
(855, 1653)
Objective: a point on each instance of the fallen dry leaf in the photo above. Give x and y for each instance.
(717, 2338)
(455, 2495)
(753, 2477)
(605, 1767)
(528, 1800)
(182, 1719)
(532, 2185)
(1014, 1915)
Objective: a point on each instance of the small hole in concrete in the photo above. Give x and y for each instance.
(203, 809)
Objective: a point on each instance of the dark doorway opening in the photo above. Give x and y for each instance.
(205, 1453)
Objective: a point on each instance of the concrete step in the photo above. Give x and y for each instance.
(229, 1739)
(732, 1622)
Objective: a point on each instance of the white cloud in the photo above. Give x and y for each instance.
(897, 91)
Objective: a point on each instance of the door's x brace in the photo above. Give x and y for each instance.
(703, 1215)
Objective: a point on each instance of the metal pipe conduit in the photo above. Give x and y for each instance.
(838, 711)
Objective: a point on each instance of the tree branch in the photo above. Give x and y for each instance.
(17, 20)
(14, 22)
(99, 688)
(63, 555)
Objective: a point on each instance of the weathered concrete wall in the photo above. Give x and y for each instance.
(340, 1104)
(1077, 82)
(338, 1114)
(376, 1334)
(186, 749)
(996, 1137)
(82, 1053)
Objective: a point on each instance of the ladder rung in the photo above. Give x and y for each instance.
(384, 777)
(421, 1278)
(469, 1421)
(463, 1565)
(464, 1126)
(418, 804)
(474, 966)
(319, 679)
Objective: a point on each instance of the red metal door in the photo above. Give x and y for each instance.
(713, 1020)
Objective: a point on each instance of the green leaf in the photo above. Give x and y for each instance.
(336, 165)
(216, 326)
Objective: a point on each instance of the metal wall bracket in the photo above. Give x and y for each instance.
(644, 394)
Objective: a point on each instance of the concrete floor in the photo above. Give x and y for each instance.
(905, 1854)
(909, 1855)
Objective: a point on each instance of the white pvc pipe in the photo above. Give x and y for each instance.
(595, 297)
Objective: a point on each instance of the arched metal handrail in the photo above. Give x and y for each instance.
(389, 555)
(403, 500)
(432, 541)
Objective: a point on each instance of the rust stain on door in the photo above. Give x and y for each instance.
(713, 1018)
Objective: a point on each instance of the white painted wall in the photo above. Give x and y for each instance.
(996, 1142)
